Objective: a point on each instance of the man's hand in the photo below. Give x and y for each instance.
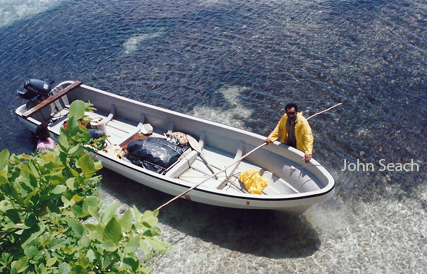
(307, 158)
(267, 141)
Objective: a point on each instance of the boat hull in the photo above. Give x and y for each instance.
(312, 185)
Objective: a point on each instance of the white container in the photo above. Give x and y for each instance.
(98, 123)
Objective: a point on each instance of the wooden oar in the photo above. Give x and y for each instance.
(195, 145)
(222, 170)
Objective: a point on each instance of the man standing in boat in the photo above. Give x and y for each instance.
(295, 131)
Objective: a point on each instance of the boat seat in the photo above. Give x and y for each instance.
(115, 128)
(238, 155)
(183, 165)
(135, 135)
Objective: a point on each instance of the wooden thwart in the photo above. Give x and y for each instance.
(51, 99)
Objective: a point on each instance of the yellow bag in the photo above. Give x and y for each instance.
(253, 181)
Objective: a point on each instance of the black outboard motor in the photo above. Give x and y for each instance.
(35, 88)
(36, 91)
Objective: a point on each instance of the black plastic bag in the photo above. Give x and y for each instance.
(96, 133)
(155, 154)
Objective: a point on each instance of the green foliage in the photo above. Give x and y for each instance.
(51, 219)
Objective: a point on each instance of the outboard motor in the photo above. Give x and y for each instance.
(35, 88)
(37, 91)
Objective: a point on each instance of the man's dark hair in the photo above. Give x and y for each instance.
(291, 105)
(42, 131)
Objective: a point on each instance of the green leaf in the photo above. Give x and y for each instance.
(113, 231)
(76, 150)
(77, 109)
(77, 198)
(59, 189)
(94, 232)
(30, 220)
(50, 262)
(157, 244)
(43, 240)
(10, 191)
(108, 214)
(89, 201)
(150, 218)
(13, 215)
(3, 180)
(30, 196)
(55, 179)
(84, 242)
(93, 211)
(132, 245)
(107, 259)
(126, 221)
(82, 136)
(63, 269)
(87, 165)
(53, 207)
(31, 251)
(73, 172)
(47, 158)
(137, 215)
(144, 246)
(20, 265)
(91, 255)
(65, 201)
(83, 262)
(4, 156)
(5, 205)
(63, 138)
(28, 235)
(71, 183)
(77, 210)
(133, 263)
(72, 126)
(75, 225)
(109, 245)
(98, 165)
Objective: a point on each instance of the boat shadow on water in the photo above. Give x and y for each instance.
(262, 233)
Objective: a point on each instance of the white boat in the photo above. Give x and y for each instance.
(293, 186)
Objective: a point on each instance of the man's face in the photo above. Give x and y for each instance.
(292, 114)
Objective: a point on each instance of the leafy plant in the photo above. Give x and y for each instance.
(50, 215)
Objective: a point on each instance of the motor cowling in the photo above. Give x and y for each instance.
(35, 87)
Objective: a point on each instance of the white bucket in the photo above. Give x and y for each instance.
(98, 123)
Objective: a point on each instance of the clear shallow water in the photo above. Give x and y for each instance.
(239, 64)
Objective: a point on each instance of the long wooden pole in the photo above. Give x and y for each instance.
(213, 175)
(324, 111)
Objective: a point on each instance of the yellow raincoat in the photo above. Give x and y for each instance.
(253, 181)
(303, 133)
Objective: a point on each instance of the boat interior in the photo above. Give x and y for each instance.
(192, 168)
